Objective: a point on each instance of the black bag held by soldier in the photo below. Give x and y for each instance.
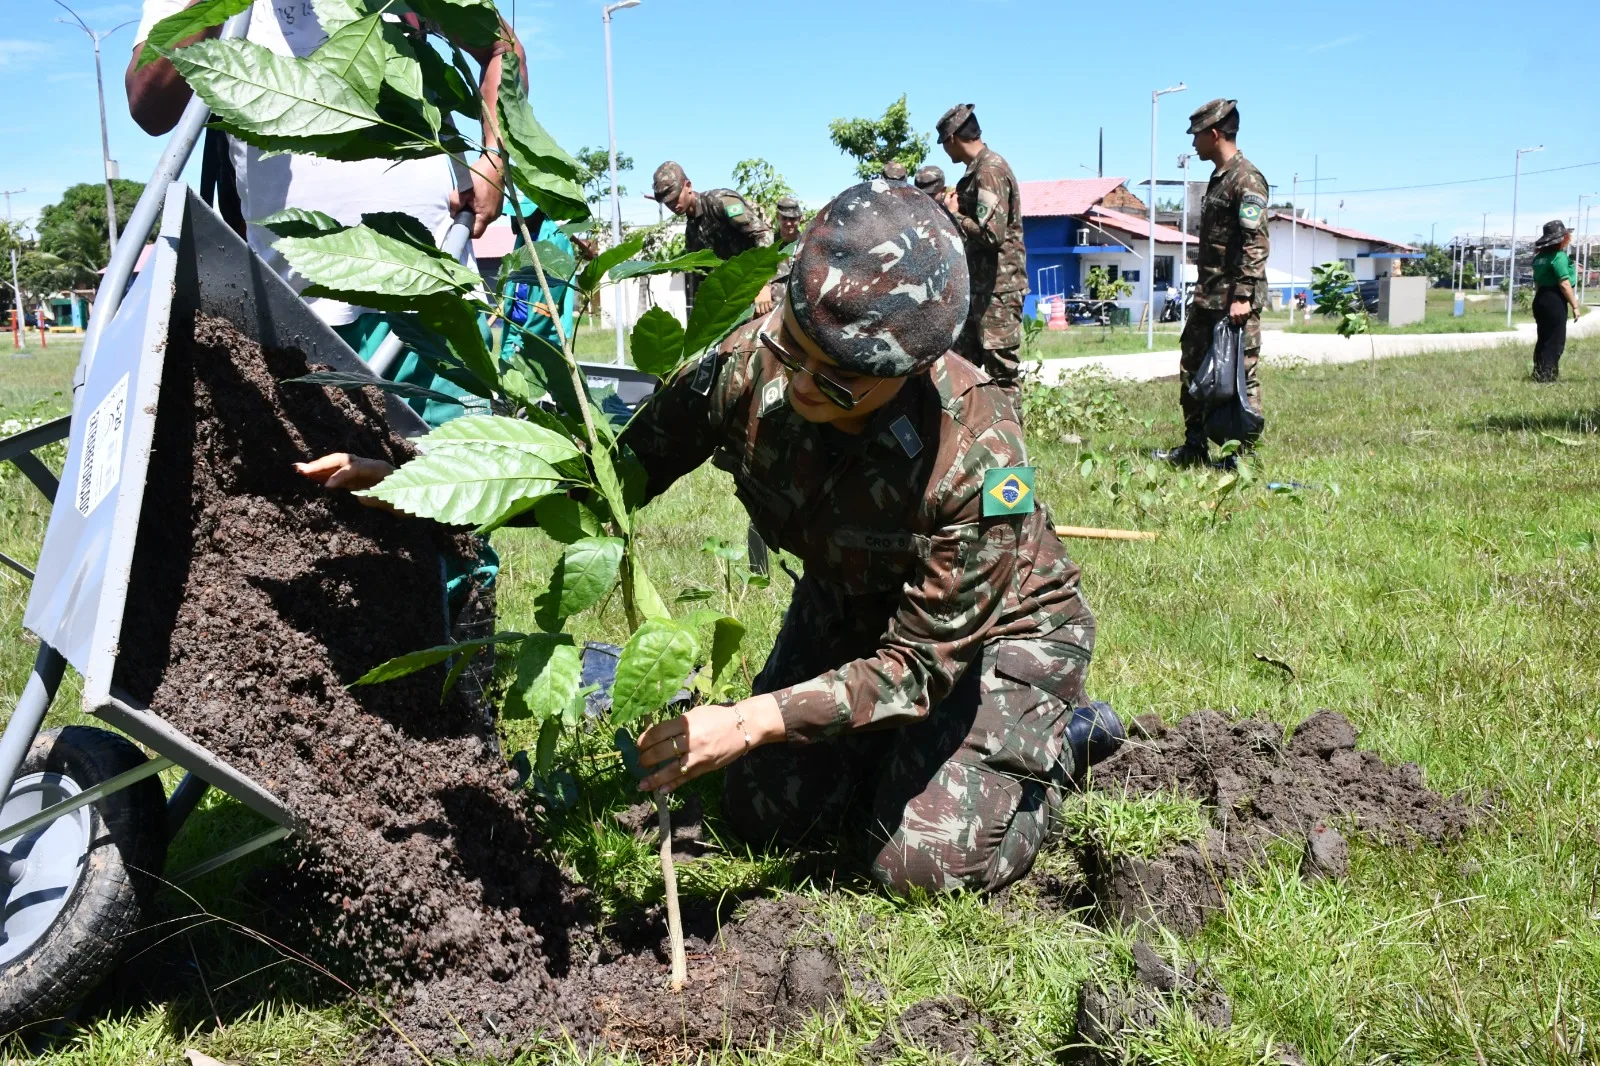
(924, 696)
(1221, 387)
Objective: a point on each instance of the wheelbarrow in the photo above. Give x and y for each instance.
(85, 824)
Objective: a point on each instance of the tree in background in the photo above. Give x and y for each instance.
(873, 142)
(64, 226)
(759, 182)
(594, 174)
(1435, 263)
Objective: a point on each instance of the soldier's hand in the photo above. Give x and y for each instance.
(764, 301)
(351, 473)
(1239, 310)
(950, 200)
(706, 739)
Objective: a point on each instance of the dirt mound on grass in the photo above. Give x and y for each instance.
(259, 597)
(948, 1028)
(1256, 788)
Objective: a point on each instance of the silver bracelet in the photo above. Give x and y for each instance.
(738, 720)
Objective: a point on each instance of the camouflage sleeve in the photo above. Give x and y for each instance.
(747, 221)
(991, 213)
(1250, 273)
(682, 424)
(946, 611)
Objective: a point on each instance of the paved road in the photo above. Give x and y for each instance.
(1280, 347)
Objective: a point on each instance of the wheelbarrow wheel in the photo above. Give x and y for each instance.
(74, 891)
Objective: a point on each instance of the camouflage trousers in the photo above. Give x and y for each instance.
(993, 338)
(1194, 342)
(960, 800)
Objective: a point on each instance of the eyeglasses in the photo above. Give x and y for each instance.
(837, 394)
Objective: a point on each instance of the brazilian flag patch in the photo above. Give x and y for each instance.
(734, 210)
(1008, 490)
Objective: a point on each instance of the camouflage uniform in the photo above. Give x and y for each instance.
(989, 212)
(788, 207)
(931, 657)
(720, 220)
(1232, 265)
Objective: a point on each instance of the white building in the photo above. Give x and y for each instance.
(1298, 244)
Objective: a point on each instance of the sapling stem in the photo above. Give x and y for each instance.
(669, 876)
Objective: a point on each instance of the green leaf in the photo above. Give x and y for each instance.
(727, 633)
(402, 227)
(186, 23)
(545, 750)
(473, 22)
(646, 600)
(557, 262)
(357, 54)
(605, 479)
(638, 268)
(500, 431)
(657, 341)
(360, 259)
(455, 323)
(724, 297)
(594, 271)
(565, 519)
(334, 15)
(428, 346)
(544, 171)
(453, 92)
(466, 485)
(411, 662)
(586, 571)
(548, 670)
(299, 222)
(334, 379)
(254, 89)
(654, 665)
(401, 70)
(376, 142)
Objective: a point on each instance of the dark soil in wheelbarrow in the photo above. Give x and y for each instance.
(258, 597)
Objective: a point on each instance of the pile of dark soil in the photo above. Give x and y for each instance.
(1109, 1010)
(1256, 788)
(945, 1029)
(259, 596)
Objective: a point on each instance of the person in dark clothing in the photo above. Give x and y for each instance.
(1554, 297)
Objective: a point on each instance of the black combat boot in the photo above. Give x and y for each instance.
(1186, 454)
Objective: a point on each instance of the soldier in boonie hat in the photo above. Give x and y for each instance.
(930, 179)
(951, 121)
(668, 182)
(896, 472)
(1219, 113)
(894, 170)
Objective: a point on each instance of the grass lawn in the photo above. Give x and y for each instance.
(1482, 316)
(1435, 577)
(1103, 340)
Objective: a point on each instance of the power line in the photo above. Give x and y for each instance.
(1465, 181)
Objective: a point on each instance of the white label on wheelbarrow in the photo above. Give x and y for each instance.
(102, 449)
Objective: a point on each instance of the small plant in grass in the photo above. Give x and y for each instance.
(377, 89)
(1084, 401)
(1338, 297)
(1135, 826)
(1102, 286)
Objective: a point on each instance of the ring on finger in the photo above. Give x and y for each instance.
(683, 768)
(677, 744)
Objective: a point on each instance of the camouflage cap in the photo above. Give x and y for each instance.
(930, 179)
(668, 182)
(951, 121)
(894, 170)
(880, 283)
(1209, 115)
(789, 207)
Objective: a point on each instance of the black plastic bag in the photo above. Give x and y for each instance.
(1219, 384)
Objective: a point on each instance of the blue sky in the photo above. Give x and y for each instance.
(1400, 94)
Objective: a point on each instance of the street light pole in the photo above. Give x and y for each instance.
(21, 335)
(1183, 257)
(1582, 232)
(110, 165)
(1477, 257)
(1150, 267)
(1516, 182)
(616, 203)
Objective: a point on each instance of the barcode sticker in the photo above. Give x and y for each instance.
(101, 465)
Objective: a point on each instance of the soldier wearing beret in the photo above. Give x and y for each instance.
(925, 693)
(720, 220)
(1232, 269)
(988, 208)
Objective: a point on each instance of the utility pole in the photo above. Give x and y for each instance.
(1294, 210)
(20, 337)
(1102, 171)
(1477, 258)
(616, 203)
(105, 141)
(1150, 265)
(1183, 257)
(1516, 182)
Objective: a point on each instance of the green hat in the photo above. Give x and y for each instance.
(789, 207)
(668, 182)
(1213, 114)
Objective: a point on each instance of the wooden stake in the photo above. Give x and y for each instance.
(669, 875)
(1090, 533)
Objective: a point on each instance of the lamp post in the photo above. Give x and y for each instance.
(616, 204)
(1582, 232)
(1516, 181)
(1150, 266)
(105, 140)
(1183, 255)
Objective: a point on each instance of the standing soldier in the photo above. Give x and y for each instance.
(720, 220)
(789, 215)
(1232, 269)
(988, 208)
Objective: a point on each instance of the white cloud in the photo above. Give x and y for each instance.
(1337, 42)
(15, 54)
